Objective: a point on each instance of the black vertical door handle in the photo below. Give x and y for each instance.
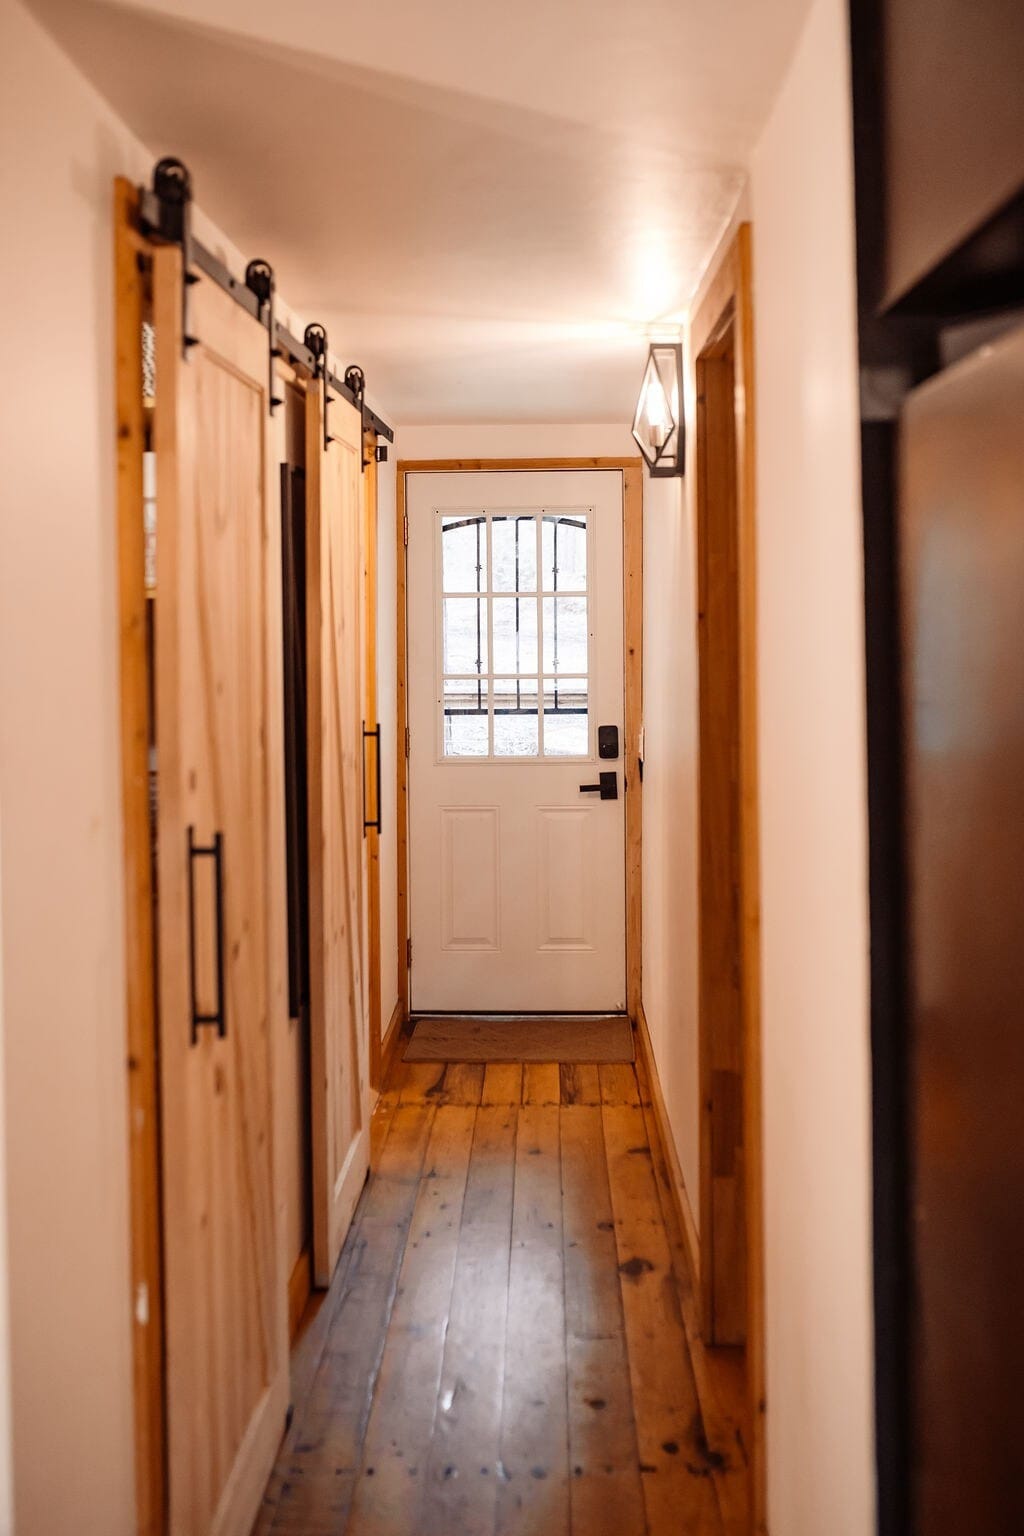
(374, 736)
(214, 851)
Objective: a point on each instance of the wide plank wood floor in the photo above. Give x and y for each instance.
(509, 1346)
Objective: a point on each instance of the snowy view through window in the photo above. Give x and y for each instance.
(514, 634)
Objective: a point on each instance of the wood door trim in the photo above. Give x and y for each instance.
(402, 745)
(631, 469)
(729, 299)
(300, 1288)
(391, 1042)
(679, 1191)
(447, 466)
(141, 1052)
(336, 944)
(372, 722)
(633, 650)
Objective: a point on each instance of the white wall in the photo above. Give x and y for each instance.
(545, 440)
(670, 811)
(813, 802)
(63, 976)
(671, 770)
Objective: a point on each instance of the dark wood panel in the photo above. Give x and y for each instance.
(963, 575)
(954, 112)
(721, 966)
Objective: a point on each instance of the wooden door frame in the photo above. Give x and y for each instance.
(632, 624)
(319, 455)
(146, 1267)
(727, 302)
(371, 769)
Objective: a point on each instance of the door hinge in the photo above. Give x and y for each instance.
(408, 953)
(408, 742)
(405, 530)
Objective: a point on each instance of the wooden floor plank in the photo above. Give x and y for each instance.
(503, 1083)
(418, 1082)
(541, 1083)
(401, 1421)
(463, 1083)
(677, 1474)
(719, 1374)
(313, 1480)
(578, 1084)
(619, 1085)
(533, 1492)
(605, 1490)
(461, 1483)
(510, 1343)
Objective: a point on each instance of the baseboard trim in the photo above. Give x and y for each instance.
(299, 1290)
(680, 1196)
(389, 1044)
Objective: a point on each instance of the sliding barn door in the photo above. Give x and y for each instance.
(226, 1367)
(337, 897)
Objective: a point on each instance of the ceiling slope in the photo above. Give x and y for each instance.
(489, 218)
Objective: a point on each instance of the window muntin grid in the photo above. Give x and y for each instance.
(514, 653)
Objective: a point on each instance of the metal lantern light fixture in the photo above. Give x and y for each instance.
(658, 425)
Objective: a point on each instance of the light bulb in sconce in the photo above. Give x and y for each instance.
(657, 425)
(656, 413)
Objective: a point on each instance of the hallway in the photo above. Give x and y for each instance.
(510, 1342)
(536, 536)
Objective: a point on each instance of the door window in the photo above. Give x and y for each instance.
(514, 659)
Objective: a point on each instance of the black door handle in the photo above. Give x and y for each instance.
(374, 736)
(608, 788)
(214, 851)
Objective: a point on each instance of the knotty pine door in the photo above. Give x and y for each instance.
(339, 968)
(220, 911)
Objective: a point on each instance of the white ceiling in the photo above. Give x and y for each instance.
(489, 203)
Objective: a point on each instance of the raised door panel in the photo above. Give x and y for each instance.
(470, 877)
(226, 1364)
(338, 879)
(566, 876)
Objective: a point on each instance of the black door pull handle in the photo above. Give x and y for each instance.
(214, 851)
(607, 788)
(371, 735)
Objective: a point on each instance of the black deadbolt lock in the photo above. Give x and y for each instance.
(607, 741)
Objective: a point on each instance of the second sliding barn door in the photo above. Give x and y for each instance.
(220, 911)
(337, 846)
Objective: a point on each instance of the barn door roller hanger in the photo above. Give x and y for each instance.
(165, 213)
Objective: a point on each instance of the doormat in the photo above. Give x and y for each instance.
(570, 1038)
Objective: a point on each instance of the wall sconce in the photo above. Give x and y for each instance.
(658, 425)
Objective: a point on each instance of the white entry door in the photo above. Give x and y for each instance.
(517, 858)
